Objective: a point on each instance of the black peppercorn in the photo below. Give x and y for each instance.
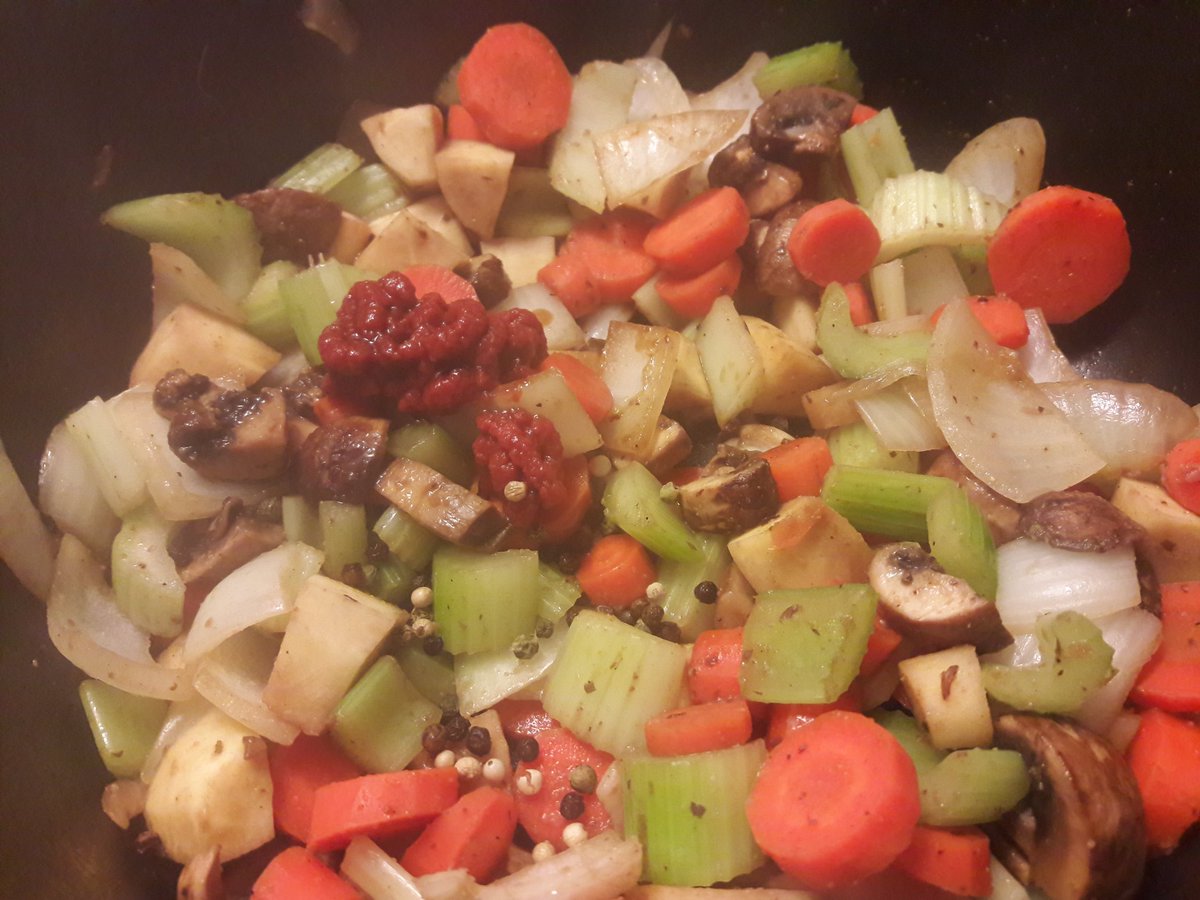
(652, 615)
(706, 592)
(433, 739)
(525, 749)
(456, 726)
(479, 740)
(571, 805)
(669, 631)
(433, 644)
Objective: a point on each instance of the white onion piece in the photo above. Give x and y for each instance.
(1005, 161)
(261, 589)
(1040, 354)
(562, 331)
(600, 868)
(835, 404)
(1005, 885)
(1133, 634)
(996, 420)
(286, 370)
(657, 93)
(26, 545)
(181, 716)
(376, 873)
(659, 44)
(897, 325)
(484, 679)
(455, 884)
(68, 494)
(232, 679)
(1132, 426)
(637, 365)
(931, 279)
(898, 422)
(178, 491)
(1034, 578)
(738, 91)
(123, 801)
(89, 630)
(595, 325)
(611, 793)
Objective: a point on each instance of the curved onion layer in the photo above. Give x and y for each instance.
(261, 589)
(233, 677)
(88, 629)
(1133, 634)
(657, 93)
(837, 404)
(26, 546)
(181, 716)
(70, 495)
(996, 420)
(484, 679)
(1005, 161)
(897, 417)
(603, 866)
(1132, 426)
(376, 873)
(1040, 354)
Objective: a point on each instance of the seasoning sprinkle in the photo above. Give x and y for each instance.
(468, 767)
(515, 491)
(574, 834)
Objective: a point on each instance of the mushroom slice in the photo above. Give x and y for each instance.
(1002, 515)
(447, 509)
(671, 446)
(729, 499)
(765, 186)
(932, 609)
(774, 271)
(1078, 520)
(1082, 833)
(795, 125)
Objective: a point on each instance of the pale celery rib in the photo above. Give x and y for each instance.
(887, 503)
(146, 584)
(312, 299)
(369, 192)
(410, 542)
(380, 721)
(320, 170)
(970, 787)
(875, 150)
(689, 813)
(679, 579)
(343, 535)
(961, 542)
(484, 601)
(923, 209)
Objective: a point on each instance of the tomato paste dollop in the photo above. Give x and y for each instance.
(423, 356)
(517, 447)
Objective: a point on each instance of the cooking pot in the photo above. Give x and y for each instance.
(106, 101)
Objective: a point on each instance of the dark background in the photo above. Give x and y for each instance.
(221, 96)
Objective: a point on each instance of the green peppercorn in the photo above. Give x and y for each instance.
(583, 779)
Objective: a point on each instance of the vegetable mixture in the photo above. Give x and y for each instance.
(581, 484)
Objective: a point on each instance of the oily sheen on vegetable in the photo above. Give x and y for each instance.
(588, 487)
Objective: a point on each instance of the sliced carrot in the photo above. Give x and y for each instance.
(833, 241)
(1002, 318)
(616, 571)
(862, 113)
(701, 233)
(1165, 758)
(715, 665)
(1181, 474)
(880, 646)
(786, 718)
(695, 729)
(523, 718)
(461, 126)
(1171, 678)
(585, 383)
(540, 813)
(799, 466)
(473, 834)
(1061, 249)
(378, 805)
(297, 771)
(957, 860)
(439, 280)
(693, 295)
(600, 262)
(294, 873)
(835, 801)
(569, 281)
(861, 311)
(516, 86)
(559, 524)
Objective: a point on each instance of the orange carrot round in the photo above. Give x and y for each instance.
(378, 805)
(294, 873)
(585, 383)
(1171, 678)
(694, 295)
(540, 813)
(460, 126)
(836, 801)
(862, 113)
(616, 571)
(1062, 249)
(861, 310)
(957, 860)
(1181, 474)
(713, 669)
(297, 771)
(1165, 758)
(427, 279)
(701, 233)
(699, 728)
(833, 241)
(561, 523)
(785, 718)
(1001, 317)
(516, 86)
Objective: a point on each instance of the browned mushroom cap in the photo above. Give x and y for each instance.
(342, 460)
(447, 509)
(1081, 834)
(1002, 515)
(1078, 520)
(227, 435)
(797, 124)
(293, 225)
(486, 275)
(730, 499)
(932, 609)
(774, 272)
(671, 446)
(765, 186)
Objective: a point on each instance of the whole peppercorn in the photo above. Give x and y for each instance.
(456, 727)
(525, 749)
(433, 739)
(706, 592)
(479, 740)
(543, 629)
(571, 805)
(669, 631)
(433, 644)
(583, 779)
(627, 615)
(525, 647)
(652, 615)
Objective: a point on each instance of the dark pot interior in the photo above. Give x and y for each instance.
(221, 96)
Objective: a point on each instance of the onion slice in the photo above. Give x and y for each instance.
(232, 678)
(1040, 355)
(601, 867)
(376, 873)
(89, 630)
(996, 420)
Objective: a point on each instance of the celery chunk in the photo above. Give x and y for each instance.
(369, 192)
(805, 646)
(343, 535)
(123, 725)
(689, 813)
(484, 601)
(856, 445)
(970, 787)
(432, 445)
(679, 579)
(558, 592)
(410, 542)
(852, 352)
(633, 502)
(433, 675)
(960, 540)
(827, 64)
(266, 313)
(321, 170)
(380, 720)
(876, 501)
(146, 584)
(300, 521)
(875, 150)
(912, 737)
(927, 209)
(312, 299)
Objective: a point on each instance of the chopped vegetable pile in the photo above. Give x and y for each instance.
(605, 487)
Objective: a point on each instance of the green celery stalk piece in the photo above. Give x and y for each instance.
(484, 601)
(689, 814)
(931, 209)
(960, 540)
(912, 737)
(266, 314)
(633, 502)
(380, 720)
(369, 192)
(875, 151)
(216, 233)
(312, 299)
(433, 676)
(852, 352)
(972, 265)
(123, 725)
(533, 207)
(679, 579)
(971, 787)
(806, 646)
(857, 445)
(431, 444)
(827, 63)
(610, 679)
(392, 580)
(343, 535)
(146, 583)
(1076, 662)
(300, 521)
(886, 503)
(558, 593)
(410, 542)
(321, 170)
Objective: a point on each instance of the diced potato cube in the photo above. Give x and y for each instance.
(947, 696)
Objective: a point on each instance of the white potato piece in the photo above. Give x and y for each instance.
(473, 177)
(562, 331)
(789, 370)
(407, 241)
(202, 343)
(1005, 161)
(177, 280)
(947, 696)
(522, 257)
(546, 394)
(435, 212)
(352, 236)
(406, 139)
